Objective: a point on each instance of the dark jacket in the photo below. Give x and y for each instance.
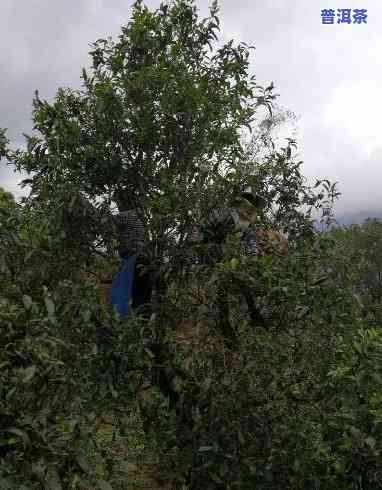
(225, 220)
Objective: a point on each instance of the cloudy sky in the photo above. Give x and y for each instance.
(329, 75)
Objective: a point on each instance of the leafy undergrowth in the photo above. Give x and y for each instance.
(125, 457)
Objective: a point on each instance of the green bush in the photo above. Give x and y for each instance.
(271, 412)
(61, 358)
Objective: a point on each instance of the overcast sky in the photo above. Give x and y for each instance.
(329, 75)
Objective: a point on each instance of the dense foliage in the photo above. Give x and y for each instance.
(224, 402)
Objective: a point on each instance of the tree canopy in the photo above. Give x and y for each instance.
(157, 116)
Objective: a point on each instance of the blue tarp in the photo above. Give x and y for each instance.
(121, 290)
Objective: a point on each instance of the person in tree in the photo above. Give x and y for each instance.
(133, 284)
(132, 287)
(244, 216)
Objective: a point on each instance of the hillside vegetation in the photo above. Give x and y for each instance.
(195, 395)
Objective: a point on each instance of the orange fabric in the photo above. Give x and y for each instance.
(104, 294)
(272, 240)
(102, 286)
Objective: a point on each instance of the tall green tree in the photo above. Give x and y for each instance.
(159, 117)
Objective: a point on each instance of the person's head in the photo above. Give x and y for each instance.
(125, 199)
(254, 198)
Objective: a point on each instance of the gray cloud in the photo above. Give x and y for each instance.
(328, 75)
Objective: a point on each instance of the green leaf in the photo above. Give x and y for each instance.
(72, 202)
(29, 255)
(28, 374)
(10, 393)
(27, 300)
(320, 280)
(104, 485)
(234, 263)
(358, 347)
(370, 441)
(52, 481)
(86, 315)
(355, 432)
(204, 449)
(150, 354)
(215, 478)
(241, 437)
(84, 464)
(19, 433)
(49, 306)
(5, 484)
